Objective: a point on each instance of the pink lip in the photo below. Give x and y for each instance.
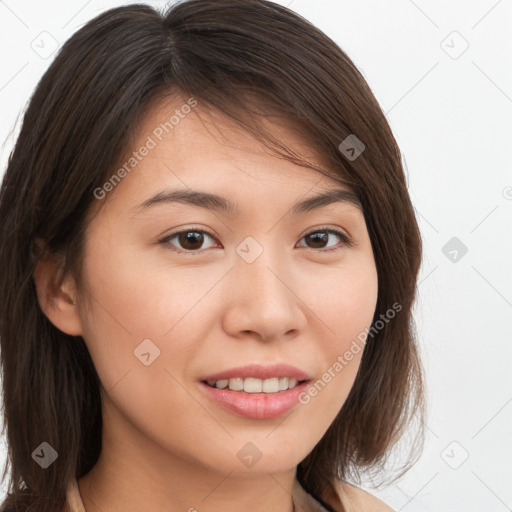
(259, 371)
(258, 406)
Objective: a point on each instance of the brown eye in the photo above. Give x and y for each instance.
(318, 239)
(190, 240)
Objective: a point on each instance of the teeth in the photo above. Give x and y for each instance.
(236, 384)
(221, 384)
(251, 385)
(270, 385)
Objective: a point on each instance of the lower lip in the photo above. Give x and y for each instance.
(258, 406)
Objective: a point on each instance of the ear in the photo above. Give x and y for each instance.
(58, 301)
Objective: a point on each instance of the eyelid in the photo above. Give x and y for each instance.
(346, 239)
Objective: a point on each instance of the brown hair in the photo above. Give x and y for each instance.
(81, 119)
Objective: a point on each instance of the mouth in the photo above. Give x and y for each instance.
(256, 391)
(255, 399)
(255, 385)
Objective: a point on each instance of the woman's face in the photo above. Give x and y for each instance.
(268, 285)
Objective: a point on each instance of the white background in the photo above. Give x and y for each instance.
(451, 112)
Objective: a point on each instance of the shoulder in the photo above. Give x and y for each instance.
(359, 500)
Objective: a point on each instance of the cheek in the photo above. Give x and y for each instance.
(133, 296)
(123, 309)
(147, 320)
(346, 304)
(346, 309)
(141, 369)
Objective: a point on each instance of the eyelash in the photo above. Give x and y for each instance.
(346, 241)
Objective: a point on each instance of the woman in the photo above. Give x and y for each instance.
(209, 261)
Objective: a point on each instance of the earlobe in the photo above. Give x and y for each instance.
(57, 300)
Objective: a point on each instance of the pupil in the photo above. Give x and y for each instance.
(322, 236)
(190, 237)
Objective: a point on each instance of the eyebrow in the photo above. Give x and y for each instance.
(221, 204)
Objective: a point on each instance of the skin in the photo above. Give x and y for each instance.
(165, 445)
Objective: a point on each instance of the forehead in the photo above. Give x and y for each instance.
(190, 146)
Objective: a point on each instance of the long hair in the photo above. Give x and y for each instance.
(243, 58)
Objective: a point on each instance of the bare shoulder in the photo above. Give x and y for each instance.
(359, 500)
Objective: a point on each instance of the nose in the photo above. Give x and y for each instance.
(264, 299)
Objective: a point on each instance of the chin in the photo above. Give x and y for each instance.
(260, 456)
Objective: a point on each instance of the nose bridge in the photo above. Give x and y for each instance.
(262, 266)
(262, 299)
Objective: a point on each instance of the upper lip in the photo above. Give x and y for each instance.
(259, 371)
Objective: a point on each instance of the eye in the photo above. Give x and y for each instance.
(321, 236)
(192, 239)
